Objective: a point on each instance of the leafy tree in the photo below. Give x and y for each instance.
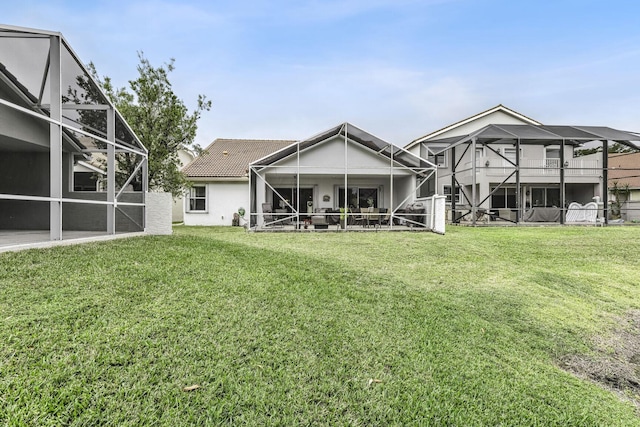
(161, 121)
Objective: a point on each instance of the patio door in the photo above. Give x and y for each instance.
(545, 197)
(284, 196)
(359, 197)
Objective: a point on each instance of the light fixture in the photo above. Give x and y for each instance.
(566, 164)
(487, 163)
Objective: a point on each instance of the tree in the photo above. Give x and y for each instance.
(616, 147)
(161, 121)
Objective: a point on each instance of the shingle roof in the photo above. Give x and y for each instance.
(230, 158)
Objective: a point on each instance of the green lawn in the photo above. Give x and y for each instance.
(315, 328)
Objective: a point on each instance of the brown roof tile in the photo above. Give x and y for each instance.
(230, 158)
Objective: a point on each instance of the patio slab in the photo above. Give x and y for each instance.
(16, 240)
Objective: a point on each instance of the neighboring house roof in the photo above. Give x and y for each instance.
(624, 168)
(544, 134)
(497, 108)
(230, 158)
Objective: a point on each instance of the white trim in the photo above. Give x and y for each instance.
(206, 200)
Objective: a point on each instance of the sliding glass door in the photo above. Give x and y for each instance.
(359, 197)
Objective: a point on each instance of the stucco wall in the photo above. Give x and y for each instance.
(329, 158)
(223, 200)
(158, 213)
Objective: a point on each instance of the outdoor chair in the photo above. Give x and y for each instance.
(267, 215)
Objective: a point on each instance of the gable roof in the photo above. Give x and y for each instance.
(355, 135)
(230, 158)
(497, 108)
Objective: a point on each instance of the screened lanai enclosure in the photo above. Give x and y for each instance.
(341, 179)
(522, 174)
(61, 144)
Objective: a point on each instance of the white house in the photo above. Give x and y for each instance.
(513, 168)
(343, 169)
(220, 179)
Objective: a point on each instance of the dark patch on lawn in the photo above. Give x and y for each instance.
(615, 361)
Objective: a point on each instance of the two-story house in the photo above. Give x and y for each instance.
(500, 164)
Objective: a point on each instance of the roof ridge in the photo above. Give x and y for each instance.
(470, 119)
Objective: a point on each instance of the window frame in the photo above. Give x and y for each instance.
(194, 197)
(447, 194)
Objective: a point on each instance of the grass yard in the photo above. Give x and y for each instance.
(467, 329)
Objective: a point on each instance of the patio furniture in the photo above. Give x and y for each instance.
(373, 217)
(269, 220)
(542, 214)
(385, 216)
(319, 221)
(577, 213)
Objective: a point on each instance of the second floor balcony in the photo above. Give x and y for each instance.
(497, 167)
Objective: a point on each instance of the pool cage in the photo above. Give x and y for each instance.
(534, 173)
(63, 145)
(342, 179)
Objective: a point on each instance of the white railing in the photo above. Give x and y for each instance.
(531, 167)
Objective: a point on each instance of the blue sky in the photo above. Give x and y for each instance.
(397, 68)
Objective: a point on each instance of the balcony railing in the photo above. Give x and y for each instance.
(532, 167)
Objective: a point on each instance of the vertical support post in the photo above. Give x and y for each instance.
(297, 183)
(55, 139)
(605, 180)
(562, 184)
(111, 172)
(145, 189)
(390, 208)
(518, 189)
(346, 181)
(251, 196)
(474, 208)
(453, 184)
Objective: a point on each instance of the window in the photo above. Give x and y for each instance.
(283, 197)
(552, 157)
(503, 197)
(545, 197)
(197, 201)
(447, 193)
(359, 197)
(510, 154)
(439, 160)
